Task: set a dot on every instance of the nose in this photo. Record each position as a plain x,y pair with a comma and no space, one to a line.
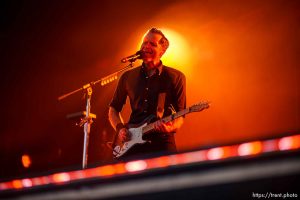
146,44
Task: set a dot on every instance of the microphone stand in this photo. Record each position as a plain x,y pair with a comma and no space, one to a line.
88,116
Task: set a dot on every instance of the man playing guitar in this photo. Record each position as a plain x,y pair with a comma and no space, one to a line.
155,91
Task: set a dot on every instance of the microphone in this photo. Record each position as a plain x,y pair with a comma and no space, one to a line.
132,58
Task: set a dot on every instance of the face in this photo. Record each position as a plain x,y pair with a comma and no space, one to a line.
152,50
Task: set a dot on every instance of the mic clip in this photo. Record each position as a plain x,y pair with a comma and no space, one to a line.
132,58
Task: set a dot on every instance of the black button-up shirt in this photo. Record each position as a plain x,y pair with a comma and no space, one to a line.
143,91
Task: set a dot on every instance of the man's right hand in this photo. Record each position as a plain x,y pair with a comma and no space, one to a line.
124,135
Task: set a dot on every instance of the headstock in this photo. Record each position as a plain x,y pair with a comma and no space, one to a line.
199,106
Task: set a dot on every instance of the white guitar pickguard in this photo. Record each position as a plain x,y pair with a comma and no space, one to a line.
136,137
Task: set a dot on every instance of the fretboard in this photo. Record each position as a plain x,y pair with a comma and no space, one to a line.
169,118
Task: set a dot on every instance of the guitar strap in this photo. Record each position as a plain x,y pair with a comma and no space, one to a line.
160,105
161,96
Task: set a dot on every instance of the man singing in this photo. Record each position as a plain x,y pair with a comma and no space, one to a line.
153,90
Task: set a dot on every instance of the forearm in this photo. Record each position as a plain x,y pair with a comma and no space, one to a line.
114,117
177,123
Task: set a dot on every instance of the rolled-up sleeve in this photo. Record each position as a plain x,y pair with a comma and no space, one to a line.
180,92
119,98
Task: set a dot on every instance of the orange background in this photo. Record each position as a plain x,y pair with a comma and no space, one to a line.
241,56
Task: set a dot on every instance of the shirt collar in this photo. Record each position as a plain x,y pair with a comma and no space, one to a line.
157,69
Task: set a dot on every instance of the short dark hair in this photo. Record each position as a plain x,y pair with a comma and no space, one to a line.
164,42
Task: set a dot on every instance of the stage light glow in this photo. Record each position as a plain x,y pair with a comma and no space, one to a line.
17,184
287,143
134,166
27,182
163,161
106,170
120,168
26,161
250,148
36,181
193,157
178,53
270,145
215,153
3,186
61,177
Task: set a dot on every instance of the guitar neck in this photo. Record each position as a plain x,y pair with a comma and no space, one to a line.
169,118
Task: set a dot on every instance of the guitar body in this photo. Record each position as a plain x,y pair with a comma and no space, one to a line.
137,133
136,137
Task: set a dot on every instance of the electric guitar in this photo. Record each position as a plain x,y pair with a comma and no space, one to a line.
136,134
